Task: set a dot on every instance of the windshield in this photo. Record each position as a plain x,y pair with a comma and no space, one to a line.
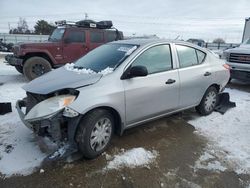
105,56
56,35
247,41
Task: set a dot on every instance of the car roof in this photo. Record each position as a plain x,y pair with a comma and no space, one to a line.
143,42
146,42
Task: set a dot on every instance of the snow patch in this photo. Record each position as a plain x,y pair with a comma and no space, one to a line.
19,153
132,158
70,67
208,162
229,132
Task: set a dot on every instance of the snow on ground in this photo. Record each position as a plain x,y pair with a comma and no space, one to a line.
19,154
229,134
132,158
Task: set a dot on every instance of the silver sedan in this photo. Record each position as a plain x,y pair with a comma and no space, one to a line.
120,85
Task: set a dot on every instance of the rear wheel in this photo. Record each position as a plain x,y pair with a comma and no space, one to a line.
19,68
95,132
35,67
208,102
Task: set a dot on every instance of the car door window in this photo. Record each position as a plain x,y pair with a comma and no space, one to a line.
76,36
156,59
186,55
189,56
201,56
96,37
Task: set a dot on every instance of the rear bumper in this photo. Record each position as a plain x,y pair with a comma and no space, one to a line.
14,61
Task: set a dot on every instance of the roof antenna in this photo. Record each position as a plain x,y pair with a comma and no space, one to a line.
86,16
177,37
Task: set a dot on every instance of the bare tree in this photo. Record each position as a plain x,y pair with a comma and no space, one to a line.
219,40
22,27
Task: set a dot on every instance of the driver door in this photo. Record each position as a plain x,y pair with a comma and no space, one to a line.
154,94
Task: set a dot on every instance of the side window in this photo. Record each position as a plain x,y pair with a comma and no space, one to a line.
111,36
96,37
155,59
201,56
187,56
76,36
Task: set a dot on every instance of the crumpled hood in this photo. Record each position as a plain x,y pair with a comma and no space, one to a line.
60,79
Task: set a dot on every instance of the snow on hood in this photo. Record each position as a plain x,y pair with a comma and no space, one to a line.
70,67
60,79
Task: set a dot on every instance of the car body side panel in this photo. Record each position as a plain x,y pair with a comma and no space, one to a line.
150,96
108,92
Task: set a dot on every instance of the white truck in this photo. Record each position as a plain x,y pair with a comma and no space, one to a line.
239,58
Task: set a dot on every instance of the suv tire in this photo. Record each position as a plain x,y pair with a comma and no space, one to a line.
19,68
95,132
208,102
35,67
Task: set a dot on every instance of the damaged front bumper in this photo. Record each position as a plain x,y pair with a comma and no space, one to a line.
61,130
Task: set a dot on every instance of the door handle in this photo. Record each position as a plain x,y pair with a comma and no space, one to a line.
170,81
207,73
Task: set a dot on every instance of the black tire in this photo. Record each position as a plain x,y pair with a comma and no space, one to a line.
19,68
203,108
87,126
35,67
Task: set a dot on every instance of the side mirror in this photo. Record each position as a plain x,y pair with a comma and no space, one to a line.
66,41
136,71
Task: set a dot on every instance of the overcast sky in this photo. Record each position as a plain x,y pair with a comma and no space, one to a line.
206,19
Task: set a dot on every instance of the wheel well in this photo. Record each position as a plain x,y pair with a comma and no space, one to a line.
38,54
217,87
116,115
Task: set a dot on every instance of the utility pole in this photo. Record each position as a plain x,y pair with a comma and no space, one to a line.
86,16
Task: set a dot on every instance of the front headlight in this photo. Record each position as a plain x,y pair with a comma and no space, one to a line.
49,107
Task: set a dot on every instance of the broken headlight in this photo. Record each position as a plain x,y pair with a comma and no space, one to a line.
49,107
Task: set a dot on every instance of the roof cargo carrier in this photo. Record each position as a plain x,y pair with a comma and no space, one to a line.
87,24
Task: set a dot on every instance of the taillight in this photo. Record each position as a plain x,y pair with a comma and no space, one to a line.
226,66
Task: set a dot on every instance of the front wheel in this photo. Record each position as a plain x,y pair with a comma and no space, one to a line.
208,102
95,132
19,68
35,67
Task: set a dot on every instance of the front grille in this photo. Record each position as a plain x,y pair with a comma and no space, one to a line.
239,58
15,50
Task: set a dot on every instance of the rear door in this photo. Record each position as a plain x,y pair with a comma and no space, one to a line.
195,75
74,45
155,94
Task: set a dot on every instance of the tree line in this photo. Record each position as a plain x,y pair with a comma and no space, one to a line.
41,27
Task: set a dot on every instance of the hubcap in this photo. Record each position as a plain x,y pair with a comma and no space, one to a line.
100,134
38,69
210,101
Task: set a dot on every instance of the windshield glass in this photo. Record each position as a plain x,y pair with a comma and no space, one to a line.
56,35
247,41
105,56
